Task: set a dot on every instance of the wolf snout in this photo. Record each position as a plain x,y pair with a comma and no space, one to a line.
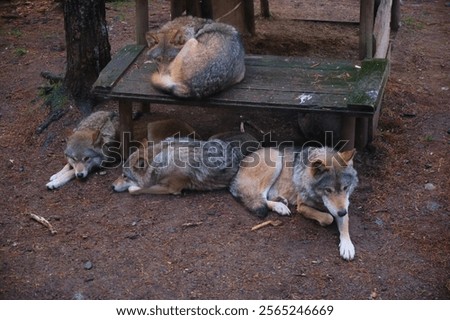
80,175
342,213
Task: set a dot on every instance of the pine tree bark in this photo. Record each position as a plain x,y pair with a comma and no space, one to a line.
87,47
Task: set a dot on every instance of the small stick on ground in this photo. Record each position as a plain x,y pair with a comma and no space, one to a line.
44,222
191,224
266,223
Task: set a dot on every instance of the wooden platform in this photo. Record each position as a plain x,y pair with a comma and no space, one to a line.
352,89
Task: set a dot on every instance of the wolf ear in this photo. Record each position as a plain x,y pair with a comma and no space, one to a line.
177,39
97,138
152,39
347,156
318,166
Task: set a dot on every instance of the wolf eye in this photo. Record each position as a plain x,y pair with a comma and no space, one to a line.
85,159
345,188
328,190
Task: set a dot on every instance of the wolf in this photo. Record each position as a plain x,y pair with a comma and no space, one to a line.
89,147
196,57
319,181
178,164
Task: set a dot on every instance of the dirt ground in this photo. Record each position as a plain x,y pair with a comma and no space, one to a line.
199,245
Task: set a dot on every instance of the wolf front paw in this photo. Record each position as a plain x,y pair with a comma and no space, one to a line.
134,189
347,249
52,184
281,209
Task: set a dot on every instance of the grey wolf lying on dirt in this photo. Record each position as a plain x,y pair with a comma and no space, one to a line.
317,180
181,164
88,147
196,57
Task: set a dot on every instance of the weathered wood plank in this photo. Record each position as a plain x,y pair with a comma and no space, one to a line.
121,61
370,85
263,78
141,11
367,8
382,29
307,85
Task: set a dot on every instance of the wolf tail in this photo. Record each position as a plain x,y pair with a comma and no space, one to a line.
164,81
255,203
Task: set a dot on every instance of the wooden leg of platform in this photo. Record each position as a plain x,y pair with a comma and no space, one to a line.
125,126
144,107
361,133
348,132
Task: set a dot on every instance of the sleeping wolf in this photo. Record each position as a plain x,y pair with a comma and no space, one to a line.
89,147
318,180
196,57
181,164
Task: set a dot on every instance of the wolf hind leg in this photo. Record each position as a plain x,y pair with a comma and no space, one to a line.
257,174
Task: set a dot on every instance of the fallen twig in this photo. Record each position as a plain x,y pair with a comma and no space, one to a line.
53,116
266,223
44,222
191,224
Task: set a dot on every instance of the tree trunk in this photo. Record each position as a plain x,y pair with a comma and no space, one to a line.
87,47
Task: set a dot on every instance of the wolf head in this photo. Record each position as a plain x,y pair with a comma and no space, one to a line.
134,172
84,151
333,179
164,46
165,43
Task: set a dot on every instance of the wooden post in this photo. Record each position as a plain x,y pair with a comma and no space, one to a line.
395,15
381,29
125,126
366,14
361,132
238,13
141,30
176,8
348,132
265,12
249,15
141,21
192,8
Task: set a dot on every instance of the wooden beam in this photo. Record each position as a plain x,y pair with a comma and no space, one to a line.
361,133
366,15
265,11
125,126
348,125
141,21
249,15
395,15
382,29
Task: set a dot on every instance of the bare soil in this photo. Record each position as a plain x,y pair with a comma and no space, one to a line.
199,245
